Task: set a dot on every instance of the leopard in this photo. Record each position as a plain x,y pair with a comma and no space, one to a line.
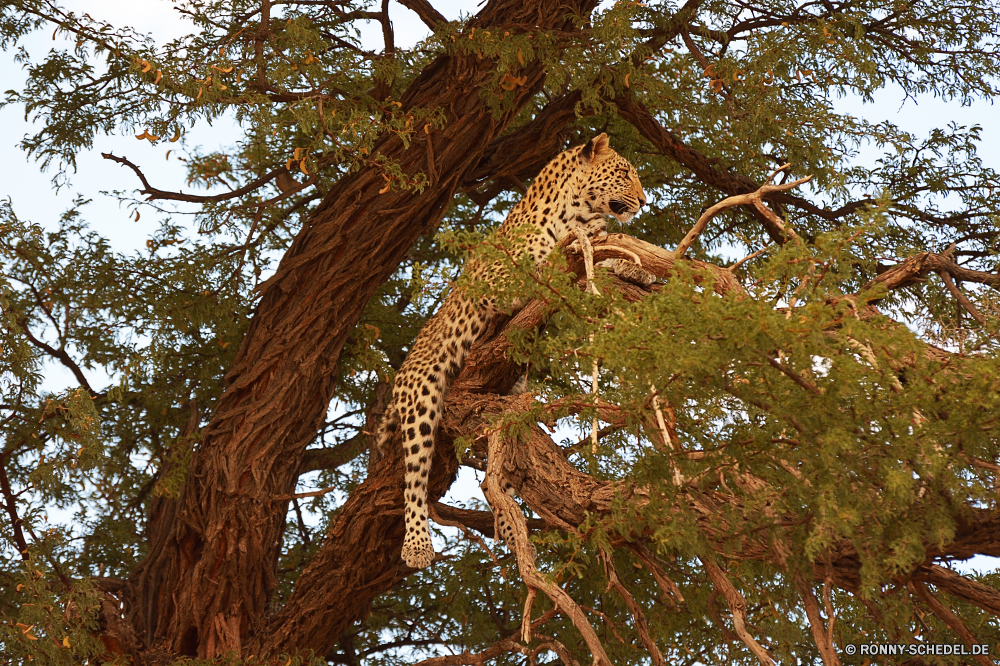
580,187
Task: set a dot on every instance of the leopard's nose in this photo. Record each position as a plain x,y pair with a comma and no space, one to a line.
642,202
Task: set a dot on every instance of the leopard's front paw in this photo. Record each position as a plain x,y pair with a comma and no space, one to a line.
631,272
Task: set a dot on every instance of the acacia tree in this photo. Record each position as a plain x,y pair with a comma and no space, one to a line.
756,461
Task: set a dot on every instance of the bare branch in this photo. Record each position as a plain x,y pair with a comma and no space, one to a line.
755,199
154,193
914,270
960,297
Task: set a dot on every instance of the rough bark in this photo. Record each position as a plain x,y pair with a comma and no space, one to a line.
210,570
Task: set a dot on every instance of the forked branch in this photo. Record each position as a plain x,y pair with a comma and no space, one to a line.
511,525
756,199
737,608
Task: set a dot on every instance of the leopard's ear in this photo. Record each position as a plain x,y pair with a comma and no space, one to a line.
596,149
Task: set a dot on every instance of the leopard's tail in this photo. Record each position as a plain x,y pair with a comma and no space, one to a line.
418,395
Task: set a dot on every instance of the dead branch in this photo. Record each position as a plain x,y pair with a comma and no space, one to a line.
755,199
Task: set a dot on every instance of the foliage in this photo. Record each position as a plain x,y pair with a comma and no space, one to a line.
876,430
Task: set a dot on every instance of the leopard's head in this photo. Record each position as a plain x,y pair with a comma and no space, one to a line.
611,185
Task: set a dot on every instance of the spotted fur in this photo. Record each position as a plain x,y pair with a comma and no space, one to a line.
579,187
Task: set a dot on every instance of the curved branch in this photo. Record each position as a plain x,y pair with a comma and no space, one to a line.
914,269
754,199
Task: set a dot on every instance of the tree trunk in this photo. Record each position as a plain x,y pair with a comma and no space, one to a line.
203,588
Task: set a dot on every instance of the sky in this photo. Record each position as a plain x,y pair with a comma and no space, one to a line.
33,198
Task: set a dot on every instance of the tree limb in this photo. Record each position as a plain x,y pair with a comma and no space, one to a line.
430,16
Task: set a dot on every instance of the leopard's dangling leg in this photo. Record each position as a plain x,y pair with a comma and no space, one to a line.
437,356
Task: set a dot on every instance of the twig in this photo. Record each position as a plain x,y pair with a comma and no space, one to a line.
754,198
732,268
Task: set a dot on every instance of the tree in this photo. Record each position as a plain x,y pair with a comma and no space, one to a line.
781,457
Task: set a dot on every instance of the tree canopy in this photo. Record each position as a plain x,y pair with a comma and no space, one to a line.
777,451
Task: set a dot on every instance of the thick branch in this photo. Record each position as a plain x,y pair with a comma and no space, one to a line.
512,526
950,619
822,631
961,587
737,608
430,16
915,269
